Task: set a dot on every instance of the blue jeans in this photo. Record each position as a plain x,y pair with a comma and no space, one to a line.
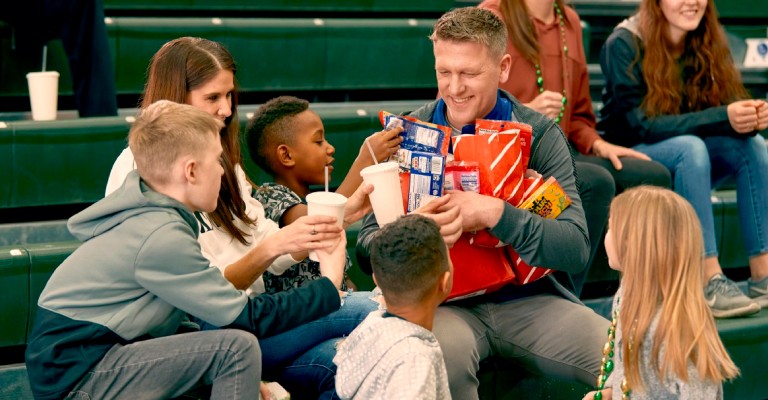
313,374
699,165
302,358
226,359
281,349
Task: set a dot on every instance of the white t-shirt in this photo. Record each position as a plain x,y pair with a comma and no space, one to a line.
218,246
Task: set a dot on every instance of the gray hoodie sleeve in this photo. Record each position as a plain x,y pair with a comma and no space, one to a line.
171,266
561,244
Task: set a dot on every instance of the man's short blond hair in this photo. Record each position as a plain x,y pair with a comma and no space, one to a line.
165,131
472,24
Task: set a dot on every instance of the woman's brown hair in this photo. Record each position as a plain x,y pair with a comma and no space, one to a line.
520,29
710,77
185,64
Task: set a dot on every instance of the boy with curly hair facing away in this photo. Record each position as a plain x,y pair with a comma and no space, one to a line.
393,354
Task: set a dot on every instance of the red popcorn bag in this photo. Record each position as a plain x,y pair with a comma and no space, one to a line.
477,270
489,127
532,181
547,201
498,148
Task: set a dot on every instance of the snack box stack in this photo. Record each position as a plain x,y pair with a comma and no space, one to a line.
422,158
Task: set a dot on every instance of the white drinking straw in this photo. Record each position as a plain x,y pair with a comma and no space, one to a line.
373,155
326,178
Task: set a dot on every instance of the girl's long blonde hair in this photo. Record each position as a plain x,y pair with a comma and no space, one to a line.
659,247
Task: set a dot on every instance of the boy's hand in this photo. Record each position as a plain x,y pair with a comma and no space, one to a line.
333,259
447,216
384,144
358,204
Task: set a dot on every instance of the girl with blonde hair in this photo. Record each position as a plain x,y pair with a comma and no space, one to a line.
663,343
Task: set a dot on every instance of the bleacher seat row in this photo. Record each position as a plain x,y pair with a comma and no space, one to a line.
296,54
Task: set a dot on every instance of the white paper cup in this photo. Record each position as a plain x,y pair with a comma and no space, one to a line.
43,94
326,203
386,199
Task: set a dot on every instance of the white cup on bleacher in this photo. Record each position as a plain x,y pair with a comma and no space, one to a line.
43,94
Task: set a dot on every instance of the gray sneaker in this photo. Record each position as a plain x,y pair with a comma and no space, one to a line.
726,300
758,291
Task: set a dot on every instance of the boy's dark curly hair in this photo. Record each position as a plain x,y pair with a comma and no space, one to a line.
271,126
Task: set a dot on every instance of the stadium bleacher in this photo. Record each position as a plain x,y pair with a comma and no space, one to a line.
343,50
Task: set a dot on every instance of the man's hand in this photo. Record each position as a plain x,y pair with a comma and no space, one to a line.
478,211
447,217
612,152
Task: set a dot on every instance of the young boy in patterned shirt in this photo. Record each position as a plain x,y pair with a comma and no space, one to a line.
287,140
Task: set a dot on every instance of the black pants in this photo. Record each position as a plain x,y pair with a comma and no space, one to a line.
598,183
80,26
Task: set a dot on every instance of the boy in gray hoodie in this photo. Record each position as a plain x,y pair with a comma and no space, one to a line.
393,354
107,320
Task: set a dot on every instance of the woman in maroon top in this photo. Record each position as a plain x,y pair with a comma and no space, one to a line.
549,74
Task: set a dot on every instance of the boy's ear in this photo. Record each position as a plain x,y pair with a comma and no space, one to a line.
190,170
374,279
284,156
445,283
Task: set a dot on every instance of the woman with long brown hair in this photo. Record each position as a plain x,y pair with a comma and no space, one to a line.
549,67
673,92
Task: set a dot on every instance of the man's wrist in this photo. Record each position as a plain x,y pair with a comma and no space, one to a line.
493,212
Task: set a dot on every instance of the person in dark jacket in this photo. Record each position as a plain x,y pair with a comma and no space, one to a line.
525,324
80,26
107,321
673,92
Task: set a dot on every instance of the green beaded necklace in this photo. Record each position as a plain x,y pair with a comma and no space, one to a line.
607,363
540,79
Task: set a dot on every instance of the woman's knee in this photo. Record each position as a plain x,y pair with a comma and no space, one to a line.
758,151
643,172
693,154
595,182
